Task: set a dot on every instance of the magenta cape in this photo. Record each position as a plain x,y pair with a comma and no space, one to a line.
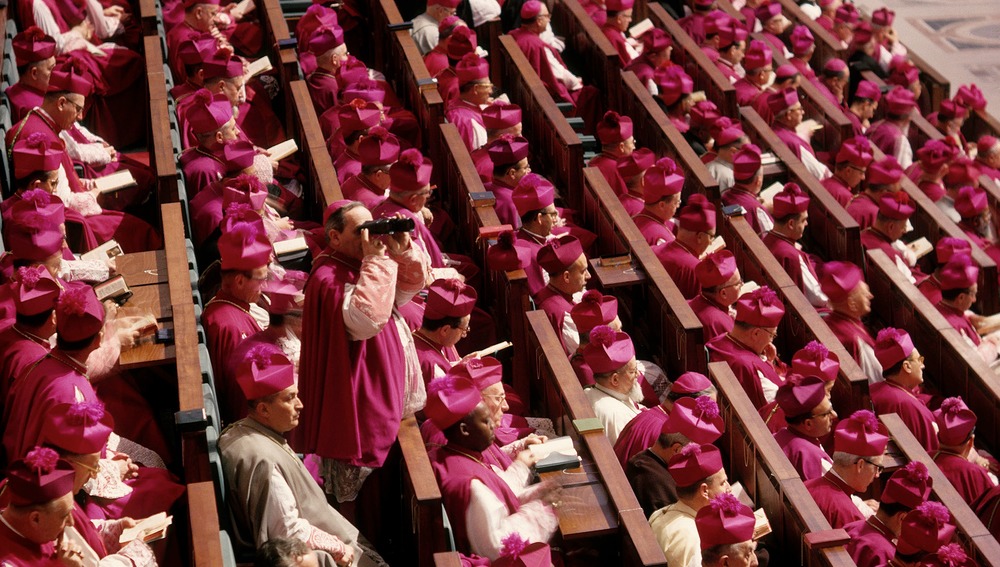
889,398
201,168
609,169
323,89
359,188
970,480
455,473
556,306
534,51
617,40
849,331
653,229
839,190
16,354
805,454
715,320
790,257
463,114
22,99
534,272
863,209
431,357
870,546
355,387
680,264
745,364
17,551
747,200
833,497
639,434
227,324
504,194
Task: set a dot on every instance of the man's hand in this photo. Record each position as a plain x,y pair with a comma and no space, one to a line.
371,247
129,470
348,557
115,12
427,215
551,493
398,242
69,554
770,352
527,457
535,439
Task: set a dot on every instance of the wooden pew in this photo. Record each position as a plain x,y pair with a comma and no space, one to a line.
936,86
687,53
755,459
975,538
277,41
830,227
827,46
147,17
552,138
564,400
161,152
448,559
191,420
658,312
588,49
324,187
801,322
655,131
421,501
951,365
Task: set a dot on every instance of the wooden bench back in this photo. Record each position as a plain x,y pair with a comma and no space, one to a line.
421,498
589,49
323,187
161,151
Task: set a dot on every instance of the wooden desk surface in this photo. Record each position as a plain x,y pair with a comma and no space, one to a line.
143,268
153,299
148,354
585,510
616,276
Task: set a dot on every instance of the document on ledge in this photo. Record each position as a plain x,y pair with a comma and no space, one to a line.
115,181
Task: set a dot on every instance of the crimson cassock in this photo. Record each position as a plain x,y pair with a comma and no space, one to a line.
969,479
746,365
715,319
871,542
789,256
608,165
805,453
888,397
640,433
435,360
533,272
17,551
833,496
838,189
18,351
850,331
356,387
556,306
680,262
653,229
201,168
534,50
227,323
863,209
22,99
504,195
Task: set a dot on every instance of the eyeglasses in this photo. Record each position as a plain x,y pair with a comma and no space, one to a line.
79,107
88,468
774,333
498,398
878,468
465,329
553,214
824,414
919,359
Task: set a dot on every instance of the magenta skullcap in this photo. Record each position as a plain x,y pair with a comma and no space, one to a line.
926,529
716,268
971,97
655,41
781,101
724,521
697,215
959,273
482,372
472,68
690,383
862,33
857,151
618,5
449,298
194,51
767,11
962,171
900,101
949,110
839,280
530,9
608,350
463,42
802,40
885,171
80,428
37,209
816,360
508,149
244,247
244,188
67,78
758,54
501,115
868,90
672,83
636,163
39,478
207,112
694,463
37,153
285,294
378,147
987,145
558,254
508,254
33,45
731,31
35,291
746,162
594,309
786,72
902,72
847,14
264,371
411,172
948,246
704,113
909,485
661,181
79,314
791,200
835,66
892,346
238,155
729,134
971,202
883,17
365,89
955,422
800,395
698,419
334,207
222,64
325,39
861,435
614,128
533,193
358,114
760,308
936,153
896,206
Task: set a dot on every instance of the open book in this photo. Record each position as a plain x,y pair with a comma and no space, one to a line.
555,454
115,181
718,244
114,289
284,149
640,28
988,324
762,526
921,247
149,529
767,195
105,251
807,127
262,65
